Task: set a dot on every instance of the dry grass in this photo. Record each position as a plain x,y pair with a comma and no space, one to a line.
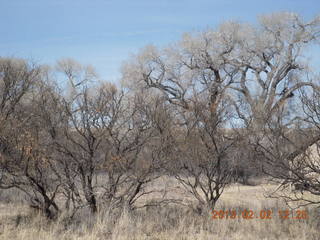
162,223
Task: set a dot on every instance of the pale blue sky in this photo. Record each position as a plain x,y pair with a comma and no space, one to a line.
105,32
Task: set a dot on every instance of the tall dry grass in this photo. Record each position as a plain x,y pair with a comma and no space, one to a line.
162,223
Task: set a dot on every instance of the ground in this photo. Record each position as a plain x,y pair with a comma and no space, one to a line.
169,222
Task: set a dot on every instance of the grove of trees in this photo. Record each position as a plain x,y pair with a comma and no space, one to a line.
214,108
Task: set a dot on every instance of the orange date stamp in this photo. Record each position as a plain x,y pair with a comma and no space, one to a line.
264,214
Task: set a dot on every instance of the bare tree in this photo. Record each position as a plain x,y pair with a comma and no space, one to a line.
100,134
256,69
206,163
263,64
135,159
25,162
81,114
198,92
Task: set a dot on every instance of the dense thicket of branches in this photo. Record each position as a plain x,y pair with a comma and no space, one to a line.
216,107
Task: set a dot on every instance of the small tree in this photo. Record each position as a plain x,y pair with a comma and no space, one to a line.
25,160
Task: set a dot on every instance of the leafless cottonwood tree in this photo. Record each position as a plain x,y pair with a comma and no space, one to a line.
263,64
278,126
282,132
258,69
